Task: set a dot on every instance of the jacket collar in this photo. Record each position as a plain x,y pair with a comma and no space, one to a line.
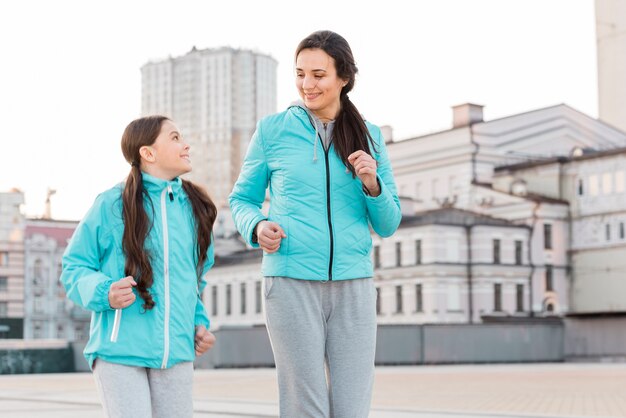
155,185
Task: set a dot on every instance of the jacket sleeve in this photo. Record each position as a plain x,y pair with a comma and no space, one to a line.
384,210
81,277
248,193
201,316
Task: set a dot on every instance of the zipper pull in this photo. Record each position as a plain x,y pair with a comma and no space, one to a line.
169,190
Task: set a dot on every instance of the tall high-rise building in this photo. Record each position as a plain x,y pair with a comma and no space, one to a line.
215,97
611,47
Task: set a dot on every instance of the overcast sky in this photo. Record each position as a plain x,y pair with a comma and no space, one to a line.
70,75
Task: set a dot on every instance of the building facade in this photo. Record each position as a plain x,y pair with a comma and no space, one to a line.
492,225
47,311
11,264
611,50
215,96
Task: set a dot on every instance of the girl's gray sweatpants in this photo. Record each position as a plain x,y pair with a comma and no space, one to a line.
139,392
323,336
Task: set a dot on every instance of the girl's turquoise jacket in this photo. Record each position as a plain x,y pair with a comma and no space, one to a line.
323,210
93,260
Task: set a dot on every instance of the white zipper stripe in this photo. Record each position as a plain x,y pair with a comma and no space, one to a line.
116,325
166,277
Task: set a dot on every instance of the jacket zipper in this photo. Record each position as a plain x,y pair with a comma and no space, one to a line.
330,225
166,277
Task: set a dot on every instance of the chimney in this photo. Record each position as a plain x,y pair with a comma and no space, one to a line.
387,132
466,114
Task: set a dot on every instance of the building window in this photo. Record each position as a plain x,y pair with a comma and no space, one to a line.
607,231
60,331
243,298
4,309
518,253
607,183
376,256
519,297
549,280
228,299
547,236
497,297
418,251
398,299
378,301
4,283
496,251
214,300
38,270
581,188
621,230
619,182
258,304
4,258
594,186
419,302
398,254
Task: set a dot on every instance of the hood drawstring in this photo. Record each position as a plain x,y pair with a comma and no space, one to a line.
315,143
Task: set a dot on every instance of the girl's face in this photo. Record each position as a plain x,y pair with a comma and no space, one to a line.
169,154
318,83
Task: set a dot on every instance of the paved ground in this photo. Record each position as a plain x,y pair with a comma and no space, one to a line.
468,391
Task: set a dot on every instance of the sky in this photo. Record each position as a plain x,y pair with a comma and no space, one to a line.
70,76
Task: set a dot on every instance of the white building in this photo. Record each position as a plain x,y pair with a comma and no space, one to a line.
482,234
215,96
11,264
594,184
611,49
47,311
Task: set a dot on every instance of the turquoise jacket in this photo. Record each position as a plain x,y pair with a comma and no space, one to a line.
323,210
93,260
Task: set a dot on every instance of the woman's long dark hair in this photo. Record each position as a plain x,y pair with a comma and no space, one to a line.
143,132
350,133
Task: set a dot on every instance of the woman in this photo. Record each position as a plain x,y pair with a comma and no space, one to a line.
329,178
149,237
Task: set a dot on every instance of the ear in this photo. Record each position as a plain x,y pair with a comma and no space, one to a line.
147,153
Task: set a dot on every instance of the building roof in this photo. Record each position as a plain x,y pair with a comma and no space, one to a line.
60,231
453,216
587,155
535,197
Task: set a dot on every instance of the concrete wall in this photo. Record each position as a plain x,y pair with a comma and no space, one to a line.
573,339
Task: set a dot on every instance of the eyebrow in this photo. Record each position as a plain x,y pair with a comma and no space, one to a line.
317,69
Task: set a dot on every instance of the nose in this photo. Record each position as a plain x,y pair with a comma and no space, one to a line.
309,83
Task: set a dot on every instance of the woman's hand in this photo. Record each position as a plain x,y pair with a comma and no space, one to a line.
203,340
269,235
365,168
121,293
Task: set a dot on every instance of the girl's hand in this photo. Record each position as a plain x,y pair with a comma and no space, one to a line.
204,340
365,168
121,293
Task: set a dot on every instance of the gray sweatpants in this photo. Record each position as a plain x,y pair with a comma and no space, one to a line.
323,336
139,392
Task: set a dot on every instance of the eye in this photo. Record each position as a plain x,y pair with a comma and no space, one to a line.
299,75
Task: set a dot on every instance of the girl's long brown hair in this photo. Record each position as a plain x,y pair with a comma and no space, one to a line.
350,133
142,132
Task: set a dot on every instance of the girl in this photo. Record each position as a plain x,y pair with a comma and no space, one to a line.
330,179
137,260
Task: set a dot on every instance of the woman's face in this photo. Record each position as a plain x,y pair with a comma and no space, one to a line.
318,83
